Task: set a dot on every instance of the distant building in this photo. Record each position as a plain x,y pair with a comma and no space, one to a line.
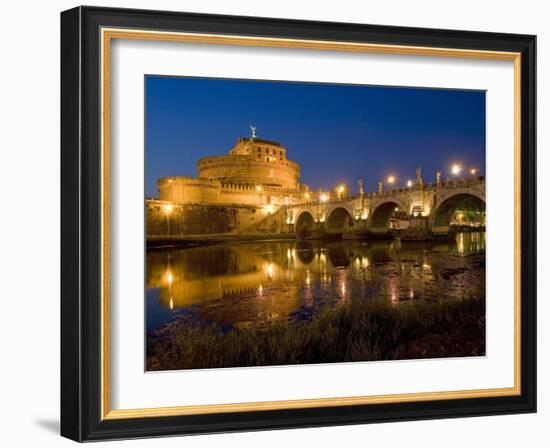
256,172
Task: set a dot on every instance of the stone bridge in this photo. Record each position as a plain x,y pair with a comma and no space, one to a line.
428,208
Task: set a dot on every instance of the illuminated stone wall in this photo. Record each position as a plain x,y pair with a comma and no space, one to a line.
197,219
249,169
185,190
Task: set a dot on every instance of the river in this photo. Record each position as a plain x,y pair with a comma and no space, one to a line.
259,284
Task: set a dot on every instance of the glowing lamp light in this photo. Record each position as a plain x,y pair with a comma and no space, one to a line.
168,208
169,277
323,197
456,169
409,183
269,209
473,171
307,196
391,179
341,189
258,188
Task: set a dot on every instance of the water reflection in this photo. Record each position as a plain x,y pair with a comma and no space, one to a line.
258,284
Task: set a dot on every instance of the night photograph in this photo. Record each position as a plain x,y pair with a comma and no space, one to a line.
305,223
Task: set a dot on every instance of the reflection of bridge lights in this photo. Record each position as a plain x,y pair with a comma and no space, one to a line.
460,243
411,294
269,270
171,303
364,262
169,277
394,297
343,289
260,290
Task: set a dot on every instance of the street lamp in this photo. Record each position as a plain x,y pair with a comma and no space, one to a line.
456,169
473,171
391,179
341,189
168,209
323,197
409,183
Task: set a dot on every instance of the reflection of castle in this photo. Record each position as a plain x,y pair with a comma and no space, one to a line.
255,172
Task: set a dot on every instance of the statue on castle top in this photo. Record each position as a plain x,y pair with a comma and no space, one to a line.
253,129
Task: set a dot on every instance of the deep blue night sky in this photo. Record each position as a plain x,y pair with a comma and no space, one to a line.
337,133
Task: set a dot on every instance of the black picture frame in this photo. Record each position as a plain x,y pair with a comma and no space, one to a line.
81,224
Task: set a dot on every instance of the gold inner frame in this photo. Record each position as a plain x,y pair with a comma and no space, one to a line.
107,35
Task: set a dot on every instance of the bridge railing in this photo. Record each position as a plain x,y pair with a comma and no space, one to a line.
460,182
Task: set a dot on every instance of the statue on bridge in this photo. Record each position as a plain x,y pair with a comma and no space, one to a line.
419,180
360,185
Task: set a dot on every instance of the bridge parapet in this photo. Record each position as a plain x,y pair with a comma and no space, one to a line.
431,203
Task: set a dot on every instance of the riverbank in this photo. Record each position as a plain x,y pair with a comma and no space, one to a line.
163,241
354,331
175,241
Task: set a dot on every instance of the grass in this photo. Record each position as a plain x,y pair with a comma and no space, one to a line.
355,331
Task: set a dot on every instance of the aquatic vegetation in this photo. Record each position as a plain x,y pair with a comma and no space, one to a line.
354,331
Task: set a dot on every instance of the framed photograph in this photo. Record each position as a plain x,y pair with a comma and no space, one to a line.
276,224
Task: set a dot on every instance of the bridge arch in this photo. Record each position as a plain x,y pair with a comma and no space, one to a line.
305,223
379,219
305,252
338,219
446,208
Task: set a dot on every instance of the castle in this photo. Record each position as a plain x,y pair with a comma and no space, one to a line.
256,172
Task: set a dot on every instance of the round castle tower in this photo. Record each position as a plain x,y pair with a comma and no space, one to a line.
255,172
252,161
